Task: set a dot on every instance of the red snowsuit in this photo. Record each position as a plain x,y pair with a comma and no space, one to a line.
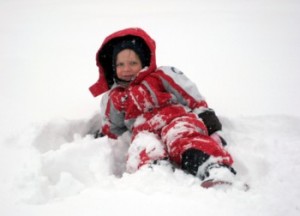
160,108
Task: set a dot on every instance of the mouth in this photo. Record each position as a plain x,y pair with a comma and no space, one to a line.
128,78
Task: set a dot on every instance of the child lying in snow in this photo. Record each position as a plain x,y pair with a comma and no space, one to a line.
157,102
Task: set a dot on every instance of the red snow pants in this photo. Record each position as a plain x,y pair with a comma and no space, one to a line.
170,141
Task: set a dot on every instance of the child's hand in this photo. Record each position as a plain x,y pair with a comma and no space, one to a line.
211,121
98,134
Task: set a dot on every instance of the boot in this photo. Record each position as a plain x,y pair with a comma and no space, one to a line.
218,172
192,159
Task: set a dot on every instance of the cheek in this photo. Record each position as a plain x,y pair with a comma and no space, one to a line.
138,68
136,71
119,72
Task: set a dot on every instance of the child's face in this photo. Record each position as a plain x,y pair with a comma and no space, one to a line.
128,65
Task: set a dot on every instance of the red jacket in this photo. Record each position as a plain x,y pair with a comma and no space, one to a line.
154,98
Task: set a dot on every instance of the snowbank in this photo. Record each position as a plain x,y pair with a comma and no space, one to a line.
59,168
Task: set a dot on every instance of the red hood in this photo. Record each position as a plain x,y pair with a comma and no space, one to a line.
104,58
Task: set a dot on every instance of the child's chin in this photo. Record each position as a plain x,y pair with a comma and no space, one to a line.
128,79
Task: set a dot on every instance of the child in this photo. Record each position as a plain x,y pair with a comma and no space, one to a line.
159,104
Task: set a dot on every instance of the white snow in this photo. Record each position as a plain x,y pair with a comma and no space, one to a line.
245,57
82,175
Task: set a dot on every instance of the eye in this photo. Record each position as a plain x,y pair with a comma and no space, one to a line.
132,63
120,64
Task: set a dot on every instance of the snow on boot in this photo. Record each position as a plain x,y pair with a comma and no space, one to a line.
221,176
217,175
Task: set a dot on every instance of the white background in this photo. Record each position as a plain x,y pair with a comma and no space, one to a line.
244,55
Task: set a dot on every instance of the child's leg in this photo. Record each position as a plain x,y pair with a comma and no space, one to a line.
187,133
145,148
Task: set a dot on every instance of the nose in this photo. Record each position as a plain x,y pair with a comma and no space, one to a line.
127,69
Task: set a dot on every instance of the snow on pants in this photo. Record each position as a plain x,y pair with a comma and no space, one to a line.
171,140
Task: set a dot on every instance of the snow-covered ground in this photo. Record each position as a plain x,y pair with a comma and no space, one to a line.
244,56
56,168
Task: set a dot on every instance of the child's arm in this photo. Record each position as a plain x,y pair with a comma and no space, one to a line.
188,95
112,120
185,91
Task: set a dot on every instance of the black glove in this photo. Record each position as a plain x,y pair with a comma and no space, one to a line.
211,121
98,134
